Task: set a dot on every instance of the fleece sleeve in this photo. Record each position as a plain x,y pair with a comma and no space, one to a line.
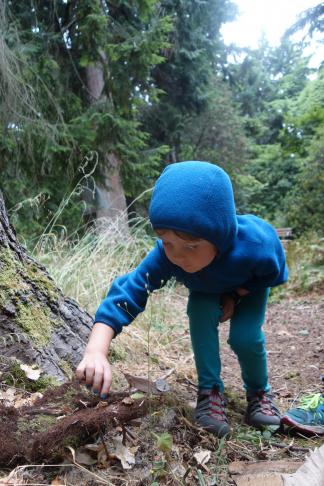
271,269
128,294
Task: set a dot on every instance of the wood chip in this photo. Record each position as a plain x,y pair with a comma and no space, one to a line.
241,467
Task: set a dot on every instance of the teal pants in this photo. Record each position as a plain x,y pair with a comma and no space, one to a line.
246,338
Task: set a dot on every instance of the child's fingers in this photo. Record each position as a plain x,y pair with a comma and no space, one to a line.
79,372
97,379
89,374
224,318
228,310
106,383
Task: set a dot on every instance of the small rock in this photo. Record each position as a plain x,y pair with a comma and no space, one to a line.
167,418
162,385
303,332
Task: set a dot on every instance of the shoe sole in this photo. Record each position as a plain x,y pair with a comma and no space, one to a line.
308,429
218,431
260,425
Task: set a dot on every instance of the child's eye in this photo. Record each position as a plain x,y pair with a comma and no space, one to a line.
191,247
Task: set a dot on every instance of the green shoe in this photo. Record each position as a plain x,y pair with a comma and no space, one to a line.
261,410
308,417
210,412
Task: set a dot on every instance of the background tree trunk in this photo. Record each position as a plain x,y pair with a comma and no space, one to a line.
111,200
38,325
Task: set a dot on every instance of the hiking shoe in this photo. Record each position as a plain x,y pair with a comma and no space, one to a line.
308,417
210,412
261,410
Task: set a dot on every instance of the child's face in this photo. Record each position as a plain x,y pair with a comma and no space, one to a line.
189,254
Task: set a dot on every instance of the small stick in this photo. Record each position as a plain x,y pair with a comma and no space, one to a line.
167,374
290,447
172,370
124,435
191,382
104,444
242,454
190,425
44,411
130,434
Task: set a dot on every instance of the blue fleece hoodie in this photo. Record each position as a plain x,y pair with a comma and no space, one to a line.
197,198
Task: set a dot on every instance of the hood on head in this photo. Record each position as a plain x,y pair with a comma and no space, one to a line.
197,198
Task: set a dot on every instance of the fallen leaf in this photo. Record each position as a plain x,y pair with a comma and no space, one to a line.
202,457
8,396
57,481
30,372
123,453
145,385
94,447
83,457
178,470
102,404
137,396
128,401
13,479
141,384
28,401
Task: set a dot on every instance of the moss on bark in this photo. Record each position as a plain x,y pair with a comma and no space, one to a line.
17,289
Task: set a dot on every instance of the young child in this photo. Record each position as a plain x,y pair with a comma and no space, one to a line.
227,262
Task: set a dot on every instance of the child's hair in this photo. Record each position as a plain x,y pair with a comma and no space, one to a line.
180,234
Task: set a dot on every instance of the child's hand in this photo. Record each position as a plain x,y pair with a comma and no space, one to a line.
242,291
94,371
228,306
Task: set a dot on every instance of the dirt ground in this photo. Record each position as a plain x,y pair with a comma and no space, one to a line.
295,344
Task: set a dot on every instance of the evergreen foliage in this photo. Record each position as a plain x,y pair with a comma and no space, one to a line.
305,205
187,78
150,82
282,112
55,120
312,18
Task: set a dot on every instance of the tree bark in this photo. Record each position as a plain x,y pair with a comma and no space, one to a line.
38,325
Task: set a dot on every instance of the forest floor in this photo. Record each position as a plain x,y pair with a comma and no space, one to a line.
166,447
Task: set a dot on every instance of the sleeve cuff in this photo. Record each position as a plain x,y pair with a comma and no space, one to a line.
117,329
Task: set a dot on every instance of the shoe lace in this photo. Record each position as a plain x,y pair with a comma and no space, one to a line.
319,415
263,402
217,405
311,402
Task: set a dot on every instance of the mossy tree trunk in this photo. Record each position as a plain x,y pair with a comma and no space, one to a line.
38,325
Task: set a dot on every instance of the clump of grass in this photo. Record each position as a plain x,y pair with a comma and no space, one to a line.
84,268
305,258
